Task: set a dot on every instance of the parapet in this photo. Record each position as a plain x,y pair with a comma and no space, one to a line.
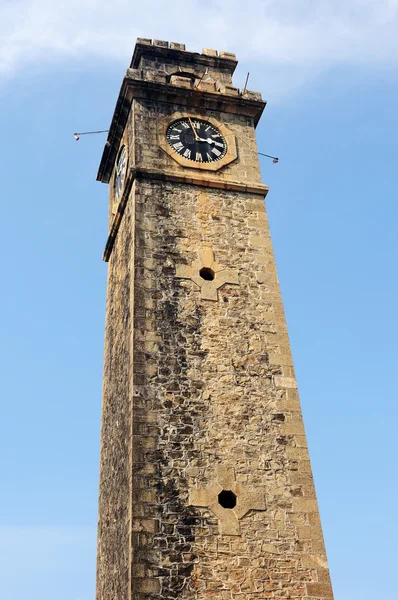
164,54
160,49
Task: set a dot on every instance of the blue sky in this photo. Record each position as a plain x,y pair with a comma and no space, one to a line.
328,71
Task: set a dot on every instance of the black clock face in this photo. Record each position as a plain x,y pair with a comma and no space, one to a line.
196,140
120,171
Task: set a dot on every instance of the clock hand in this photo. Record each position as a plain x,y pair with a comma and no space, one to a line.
193,129
209,141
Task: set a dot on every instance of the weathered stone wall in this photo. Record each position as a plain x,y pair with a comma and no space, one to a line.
213,385
113,558
216,387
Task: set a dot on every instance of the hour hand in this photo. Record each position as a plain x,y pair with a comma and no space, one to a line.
209,141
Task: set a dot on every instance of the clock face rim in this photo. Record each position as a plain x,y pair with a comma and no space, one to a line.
230,156
120,174
207,150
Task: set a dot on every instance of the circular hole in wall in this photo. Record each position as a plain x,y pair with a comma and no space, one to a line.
207,273
227,499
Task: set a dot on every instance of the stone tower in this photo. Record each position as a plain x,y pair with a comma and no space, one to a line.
206,489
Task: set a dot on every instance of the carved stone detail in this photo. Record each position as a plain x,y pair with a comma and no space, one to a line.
246,500
222,276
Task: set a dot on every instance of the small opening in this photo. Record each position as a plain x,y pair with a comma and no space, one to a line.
207,274
227,499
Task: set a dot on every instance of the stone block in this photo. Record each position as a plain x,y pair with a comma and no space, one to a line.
209,52
231,90
312,561
318,546
304,505
251,95
293,428
177,46
207,86
181,81
226,477
310,533
301,441
324,576
285,382
297,453
146,585
209,291
161,43
229,55
206,256
200,497
319,590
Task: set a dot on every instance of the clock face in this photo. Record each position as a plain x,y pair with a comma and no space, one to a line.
196,140
120,172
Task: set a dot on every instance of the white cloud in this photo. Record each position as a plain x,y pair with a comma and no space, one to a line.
299,37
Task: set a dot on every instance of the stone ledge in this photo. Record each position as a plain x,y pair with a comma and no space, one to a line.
201,180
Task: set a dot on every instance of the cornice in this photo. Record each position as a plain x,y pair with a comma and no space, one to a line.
202,180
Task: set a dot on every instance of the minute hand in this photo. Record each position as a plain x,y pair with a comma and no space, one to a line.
209,141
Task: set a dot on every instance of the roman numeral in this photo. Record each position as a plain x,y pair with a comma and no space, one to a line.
185,125
187,153
196,125
178,146
199,157
215,135
207,128
216,152
174,137
209,158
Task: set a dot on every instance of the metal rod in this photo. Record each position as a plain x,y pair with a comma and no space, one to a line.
78,133
247,79
200,80
274,158
90,132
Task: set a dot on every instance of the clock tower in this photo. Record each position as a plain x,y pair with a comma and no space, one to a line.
206,490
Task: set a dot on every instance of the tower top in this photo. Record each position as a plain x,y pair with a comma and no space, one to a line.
167,73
